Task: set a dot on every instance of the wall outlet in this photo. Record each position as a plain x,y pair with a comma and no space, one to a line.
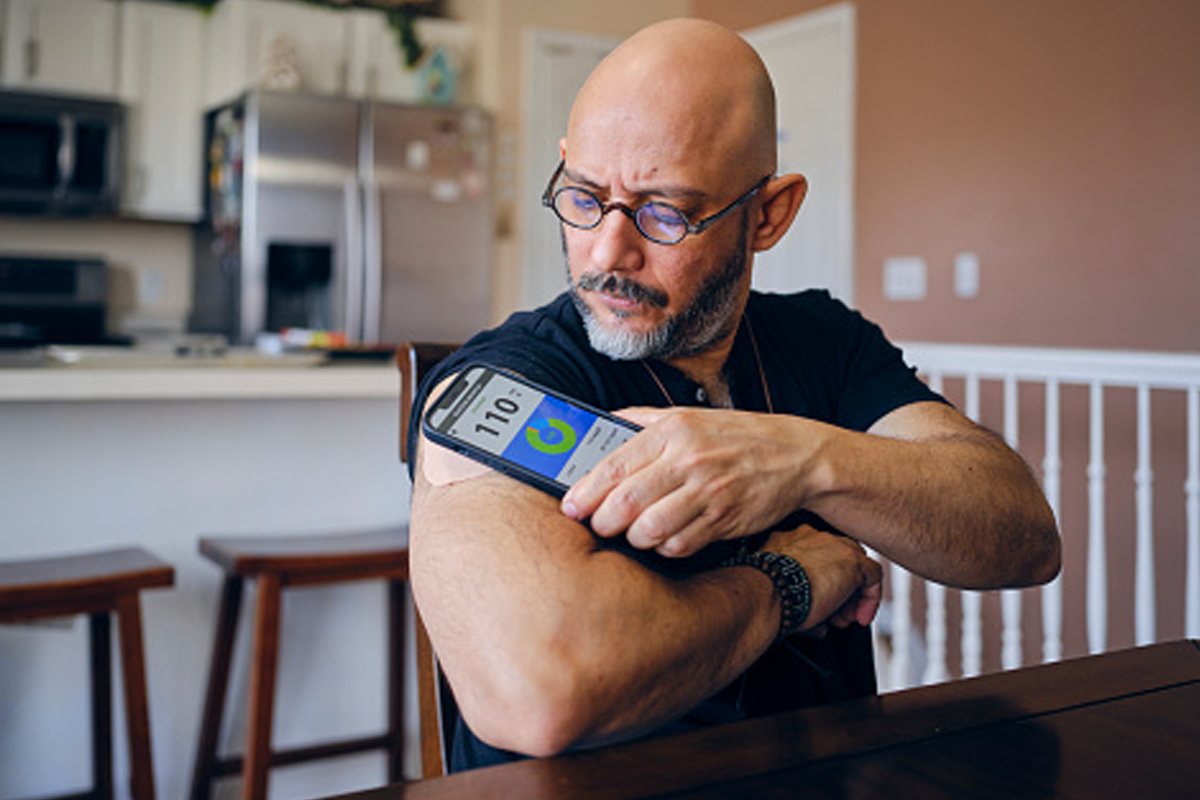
152,286
966,275
904,278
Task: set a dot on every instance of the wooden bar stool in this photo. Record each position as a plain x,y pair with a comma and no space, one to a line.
97,584
277,563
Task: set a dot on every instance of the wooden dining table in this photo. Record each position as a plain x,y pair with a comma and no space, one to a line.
1125,724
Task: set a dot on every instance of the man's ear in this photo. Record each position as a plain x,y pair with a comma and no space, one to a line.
562,149
782,197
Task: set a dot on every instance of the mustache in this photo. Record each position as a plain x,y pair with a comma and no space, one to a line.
621,286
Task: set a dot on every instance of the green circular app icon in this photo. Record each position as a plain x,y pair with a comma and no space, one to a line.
550,436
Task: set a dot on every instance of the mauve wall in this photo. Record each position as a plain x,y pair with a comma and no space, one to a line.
1059,140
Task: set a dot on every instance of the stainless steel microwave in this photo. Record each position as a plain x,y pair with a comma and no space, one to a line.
59,155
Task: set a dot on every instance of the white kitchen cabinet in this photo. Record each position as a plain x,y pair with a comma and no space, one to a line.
66,46
376,67
376,63
162,89
276,44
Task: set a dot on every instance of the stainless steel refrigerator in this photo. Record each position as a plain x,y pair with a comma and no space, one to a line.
374,220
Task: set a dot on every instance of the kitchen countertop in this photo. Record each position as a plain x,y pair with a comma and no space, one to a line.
106,375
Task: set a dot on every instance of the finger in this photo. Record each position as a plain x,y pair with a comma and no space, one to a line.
857,611
623,507
672,522
583,499
663,518
868,604
694,526
844,616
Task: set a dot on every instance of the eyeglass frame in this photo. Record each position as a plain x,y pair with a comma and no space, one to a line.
689,228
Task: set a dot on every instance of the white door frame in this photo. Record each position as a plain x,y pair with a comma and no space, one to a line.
548,104
819,250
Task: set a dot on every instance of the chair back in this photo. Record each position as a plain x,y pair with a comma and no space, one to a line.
437,708
415,359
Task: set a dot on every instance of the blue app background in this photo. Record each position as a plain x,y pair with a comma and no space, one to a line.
522,452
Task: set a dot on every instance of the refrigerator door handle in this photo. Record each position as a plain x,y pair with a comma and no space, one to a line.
372,296
352,300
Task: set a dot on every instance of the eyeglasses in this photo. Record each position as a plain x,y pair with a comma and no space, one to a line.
659,222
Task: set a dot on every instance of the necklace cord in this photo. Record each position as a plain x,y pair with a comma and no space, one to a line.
762,375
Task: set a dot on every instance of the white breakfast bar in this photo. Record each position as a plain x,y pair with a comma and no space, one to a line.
157,454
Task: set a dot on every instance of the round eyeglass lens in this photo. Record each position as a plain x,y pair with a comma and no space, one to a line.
577,207
661,222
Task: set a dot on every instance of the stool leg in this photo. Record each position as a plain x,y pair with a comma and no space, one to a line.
100,646
395,666
218,681
262,688
137,712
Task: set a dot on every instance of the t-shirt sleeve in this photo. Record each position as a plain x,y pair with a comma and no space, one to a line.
876,380
534,347
849,372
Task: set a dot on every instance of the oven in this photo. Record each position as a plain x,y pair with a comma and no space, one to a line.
52,300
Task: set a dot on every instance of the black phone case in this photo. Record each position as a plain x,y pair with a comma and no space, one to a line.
499,463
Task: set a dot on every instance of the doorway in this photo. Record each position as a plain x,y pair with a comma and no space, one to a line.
811,60
558,64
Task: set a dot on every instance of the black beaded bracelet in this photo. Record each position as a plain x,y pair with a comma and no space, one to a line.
791,584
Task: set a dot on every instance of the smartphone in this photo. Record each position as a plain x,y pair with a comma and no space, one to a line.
521,429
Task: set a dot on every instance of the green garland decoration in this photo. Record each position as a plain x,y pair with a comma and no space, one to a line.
401,18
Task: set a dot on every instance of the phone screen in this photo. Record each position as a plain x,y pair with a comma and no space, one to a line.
518,423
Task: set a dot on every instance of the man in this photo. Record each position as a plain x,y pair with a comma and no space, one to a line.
711,568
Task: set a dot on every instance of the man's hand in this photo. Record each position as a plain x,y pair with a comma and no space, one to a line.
923,486
847,585
693,476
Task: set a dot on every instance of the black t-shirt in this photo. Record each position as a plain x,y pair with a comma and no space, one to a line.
819,359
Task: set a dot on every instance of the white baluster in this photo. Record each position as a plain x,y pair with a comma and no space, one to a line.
972,635
936,669
1010,642
972,610
900,671
1012,412
935,633
1097,576
1052,484
1010,602
971,396
1144,628
1191,488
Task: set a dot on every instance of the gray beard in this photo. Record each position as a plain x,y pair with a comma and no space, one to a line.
705,322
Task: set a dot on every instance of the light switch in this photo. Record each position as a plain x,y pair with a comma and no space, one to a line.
904,278
966,275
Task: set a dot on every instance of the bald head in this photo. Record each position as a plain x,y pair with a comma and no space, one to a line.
684,91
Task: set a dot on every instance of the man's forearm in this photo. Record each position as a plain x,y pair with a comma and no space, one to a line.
959,508
551,643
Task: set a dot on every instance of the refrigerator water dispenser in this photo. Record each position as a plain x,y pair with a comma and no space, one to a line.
299,291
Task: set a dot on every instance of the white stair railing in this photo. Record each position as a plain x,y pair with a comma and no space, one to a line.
921,653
